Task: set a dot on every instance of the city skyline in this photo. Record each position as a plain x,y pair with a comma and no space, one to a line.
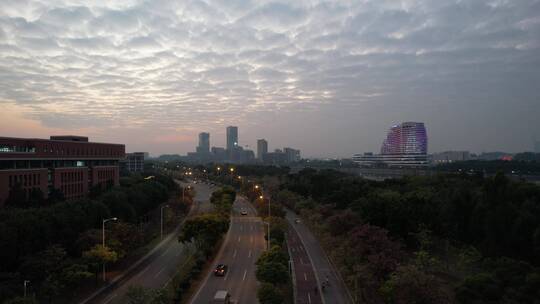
329,77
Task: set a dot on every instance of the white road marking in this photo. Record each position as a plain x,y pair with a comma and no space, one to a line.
110,299
308,298
245,273
251,226
157,274
164,253
301,262
238,239
305,276
249,254
234,254
226,276
144,270
251,239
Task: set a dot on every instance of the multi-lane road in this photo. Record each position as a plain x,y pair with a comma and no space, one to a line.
308,247
242,246
160,266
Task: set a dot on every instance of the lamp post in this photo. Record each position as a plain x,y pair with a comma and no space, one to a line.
26,282
163,207
268,236
103,238
262,198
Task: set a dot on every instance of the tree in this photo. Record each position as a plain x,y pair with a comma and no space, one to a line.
272,272
141,295
99,255
410,285
204,230
372,245
269,294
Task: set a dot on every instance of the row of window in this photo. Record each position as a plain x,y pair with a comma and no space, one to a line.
106,174
87,151
69,177
26,180
62,163
61,150
72,190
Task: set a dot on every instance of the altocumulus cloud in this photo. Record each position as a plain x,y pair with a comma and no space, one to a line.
156,63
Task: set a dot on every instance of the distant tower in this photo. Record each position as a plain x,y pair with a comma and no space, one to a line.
204,143
262,148
232,141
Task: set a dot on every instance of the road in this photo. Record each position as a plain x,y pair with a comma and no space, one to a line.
161,266
336,293
307,290
242,246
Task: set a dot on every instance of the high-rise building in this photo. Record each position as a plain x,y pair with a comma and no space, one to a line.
232,138
406,145
262,148
134,162
406,138
68,164
292,155
204,143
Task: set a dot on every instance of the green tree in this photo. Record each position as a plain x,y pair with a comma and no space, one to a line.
99,255
204,230
141,295
272,272
269,294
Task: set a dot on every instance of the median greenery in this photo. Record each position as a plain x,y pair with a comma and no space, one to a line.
203,233
57,247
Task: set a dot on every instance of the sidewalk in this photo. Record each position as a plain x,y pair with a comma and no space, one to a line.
336,293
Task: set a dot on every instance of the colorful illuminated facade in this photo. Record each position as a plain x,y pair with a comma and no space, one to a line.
405,146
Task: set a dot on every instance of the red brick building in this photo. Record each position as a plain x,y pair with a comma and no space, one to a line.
69,164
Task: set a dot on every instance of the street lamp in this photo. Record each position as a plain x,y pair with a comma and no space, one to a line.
103,238
26,282
268,236
183,193
163,207
262,198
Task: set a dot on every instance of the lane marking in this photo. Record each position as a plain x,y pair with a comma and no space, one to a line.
251,239
249,254
157,274
226,276
234,254
301,262
308,298
305,276
245,273
144,270
164,253
110,299
238,239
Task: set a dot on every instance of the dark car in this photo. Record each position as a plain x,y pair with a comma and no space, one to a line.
221,270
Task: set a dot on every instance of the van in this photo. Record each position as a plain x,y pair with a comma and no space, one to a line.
222,297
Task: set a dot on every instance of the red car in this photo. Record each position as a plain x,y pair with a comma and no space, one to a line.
221,270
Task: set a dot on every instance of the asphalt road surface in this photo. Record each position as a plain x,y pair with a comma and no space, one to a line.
336,292
160,267
307,289
242,246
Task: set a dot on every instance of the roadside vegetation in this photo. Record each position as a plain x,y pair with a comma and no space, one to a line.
57,245
441,239
203,233
273,265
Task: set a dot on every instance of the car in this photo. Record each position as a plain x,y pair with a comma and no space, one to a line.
221,270
243,212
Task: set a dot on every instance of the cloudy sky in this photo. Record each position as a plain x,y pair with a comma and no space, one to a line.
328,77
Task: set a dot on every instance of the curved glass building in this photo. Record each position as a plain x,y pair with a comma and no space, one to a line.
405,146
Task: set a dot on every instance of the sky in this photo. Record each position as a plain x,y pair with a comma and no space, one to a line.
327,77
